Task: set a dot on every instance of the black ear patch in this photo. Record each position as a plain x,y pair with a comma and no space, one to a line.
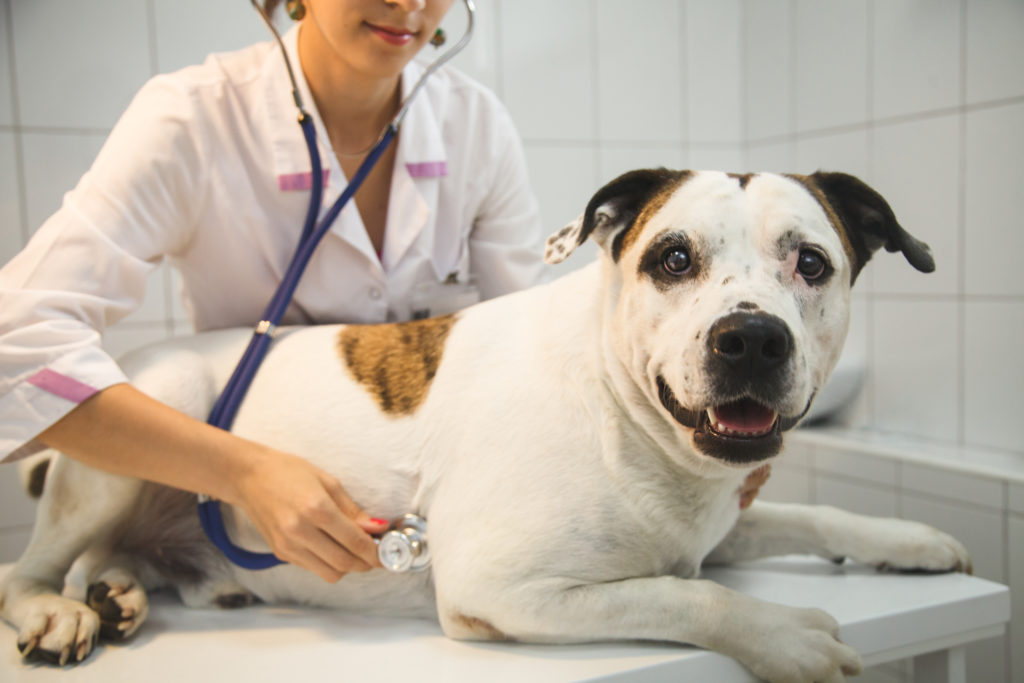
612,212
867,221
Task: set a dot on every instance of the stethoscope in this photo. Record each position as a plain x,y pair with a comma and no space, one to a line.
404,546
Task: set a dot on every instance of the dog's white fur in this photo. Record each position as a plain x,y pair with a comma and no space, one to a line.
565,503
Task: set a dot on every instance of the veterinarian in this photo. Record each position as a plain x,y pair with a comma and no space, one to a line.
208,169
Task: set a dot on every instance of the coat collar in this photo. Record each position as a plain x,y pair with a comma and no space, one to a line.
421,159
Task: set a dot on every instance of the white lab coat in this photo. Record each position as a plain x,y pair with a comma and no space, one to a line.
208,168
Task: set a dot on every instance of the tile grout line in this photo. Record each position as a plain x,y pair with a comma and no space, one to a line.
16,128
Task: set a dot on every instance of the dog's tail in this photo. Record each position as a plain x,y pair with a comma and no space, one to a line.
32,472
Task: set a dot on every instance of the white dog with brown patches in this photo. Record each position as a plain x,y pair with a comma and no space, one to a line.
554,438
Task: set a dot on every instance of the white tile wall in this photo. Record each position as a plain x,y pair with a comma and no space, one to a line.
845,151
714,71
767,69
994,374
927,149
185,31
953,486
1016,498
1016,567
479,59
911,341
6,91
831,63
854,496
11,237
715,157
772,157
640,90
995,146
79,64
916,56
548,68
564,178
617,158
789,484
995,50
865,468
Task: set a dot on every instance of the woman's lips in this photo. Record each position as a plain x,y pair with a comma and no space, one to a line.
392,36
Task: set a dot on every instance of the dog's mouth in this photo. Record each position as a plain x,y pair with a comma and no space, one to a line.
743,430
744,418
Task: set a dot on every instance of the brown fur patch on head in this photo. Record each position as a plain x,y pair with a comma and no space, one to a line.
630,235
396,362
479,629
833,217
742,178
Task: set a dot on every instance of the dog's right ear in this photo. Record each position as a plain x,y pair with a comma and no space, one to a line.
611,212
868,222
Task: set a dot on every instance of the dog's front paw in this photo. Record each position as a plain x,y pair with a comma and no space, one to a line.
120,602
797,645
56,630
907,546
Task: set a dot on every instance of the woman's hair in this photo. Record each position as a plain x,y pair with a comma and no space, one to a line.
270,5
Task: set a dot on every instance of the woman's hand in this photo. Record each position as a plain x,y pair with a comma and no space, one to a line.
304,514
306,517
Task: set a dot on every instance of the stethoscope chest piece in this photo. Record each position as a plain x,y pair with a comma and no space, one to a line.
404,548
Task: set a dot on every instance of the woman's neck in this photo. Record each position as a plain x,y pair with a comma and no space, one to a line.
354,107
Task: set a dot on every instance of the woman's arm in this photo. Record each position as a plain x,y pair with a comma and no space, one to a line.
303,513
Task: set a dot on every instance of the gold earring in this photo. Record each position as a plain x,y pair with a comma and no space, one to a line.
296,10
437,40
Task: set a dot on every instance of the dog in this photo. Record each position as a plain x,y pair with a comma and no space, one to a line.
578,448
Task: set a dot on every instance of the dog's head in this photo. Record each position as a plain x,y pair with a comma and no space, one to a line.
729,294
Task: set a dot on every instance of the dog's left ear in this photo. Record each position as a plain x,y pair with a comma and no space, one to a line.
611,212
869,222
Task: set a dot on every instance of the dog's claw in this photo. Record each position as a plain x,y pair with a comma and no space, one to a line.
120,603
26,648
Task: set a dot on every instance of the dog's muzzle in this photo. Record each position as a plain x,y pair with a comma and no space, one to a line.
748,354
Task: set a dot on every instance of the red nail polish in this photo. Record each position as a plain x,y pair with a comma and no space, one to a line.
377,520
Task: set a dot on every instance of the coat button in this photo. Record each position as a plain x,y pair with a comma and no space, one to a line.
375,293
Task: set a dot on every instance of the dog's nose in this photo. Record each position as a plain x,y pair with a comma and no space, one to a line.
752,344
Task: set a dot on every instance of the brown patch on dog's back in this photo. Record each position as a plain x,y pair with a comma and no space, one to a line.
478,628
396,362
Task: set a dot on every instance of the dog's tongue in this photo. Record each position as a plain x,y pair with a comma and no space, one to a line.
742,418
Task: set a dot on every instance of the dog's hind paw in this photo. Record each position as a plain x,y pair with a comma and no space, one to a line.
120,602
56,630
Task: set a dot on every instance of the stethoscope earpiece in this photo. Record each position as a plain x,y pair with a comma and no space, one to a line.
404,548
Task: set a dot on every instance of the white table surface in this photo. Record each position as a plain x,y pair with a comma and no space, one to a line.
884,616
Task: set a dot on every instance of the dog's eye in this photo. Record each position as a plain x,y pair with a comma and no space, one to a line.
811,264
676,260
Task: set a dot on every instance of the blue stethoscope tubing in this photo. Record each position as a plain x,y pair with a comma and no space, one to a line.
228,403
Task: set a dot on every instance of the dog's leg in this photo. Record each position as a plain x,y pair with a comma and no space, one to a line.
80,508
767,529
776,642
